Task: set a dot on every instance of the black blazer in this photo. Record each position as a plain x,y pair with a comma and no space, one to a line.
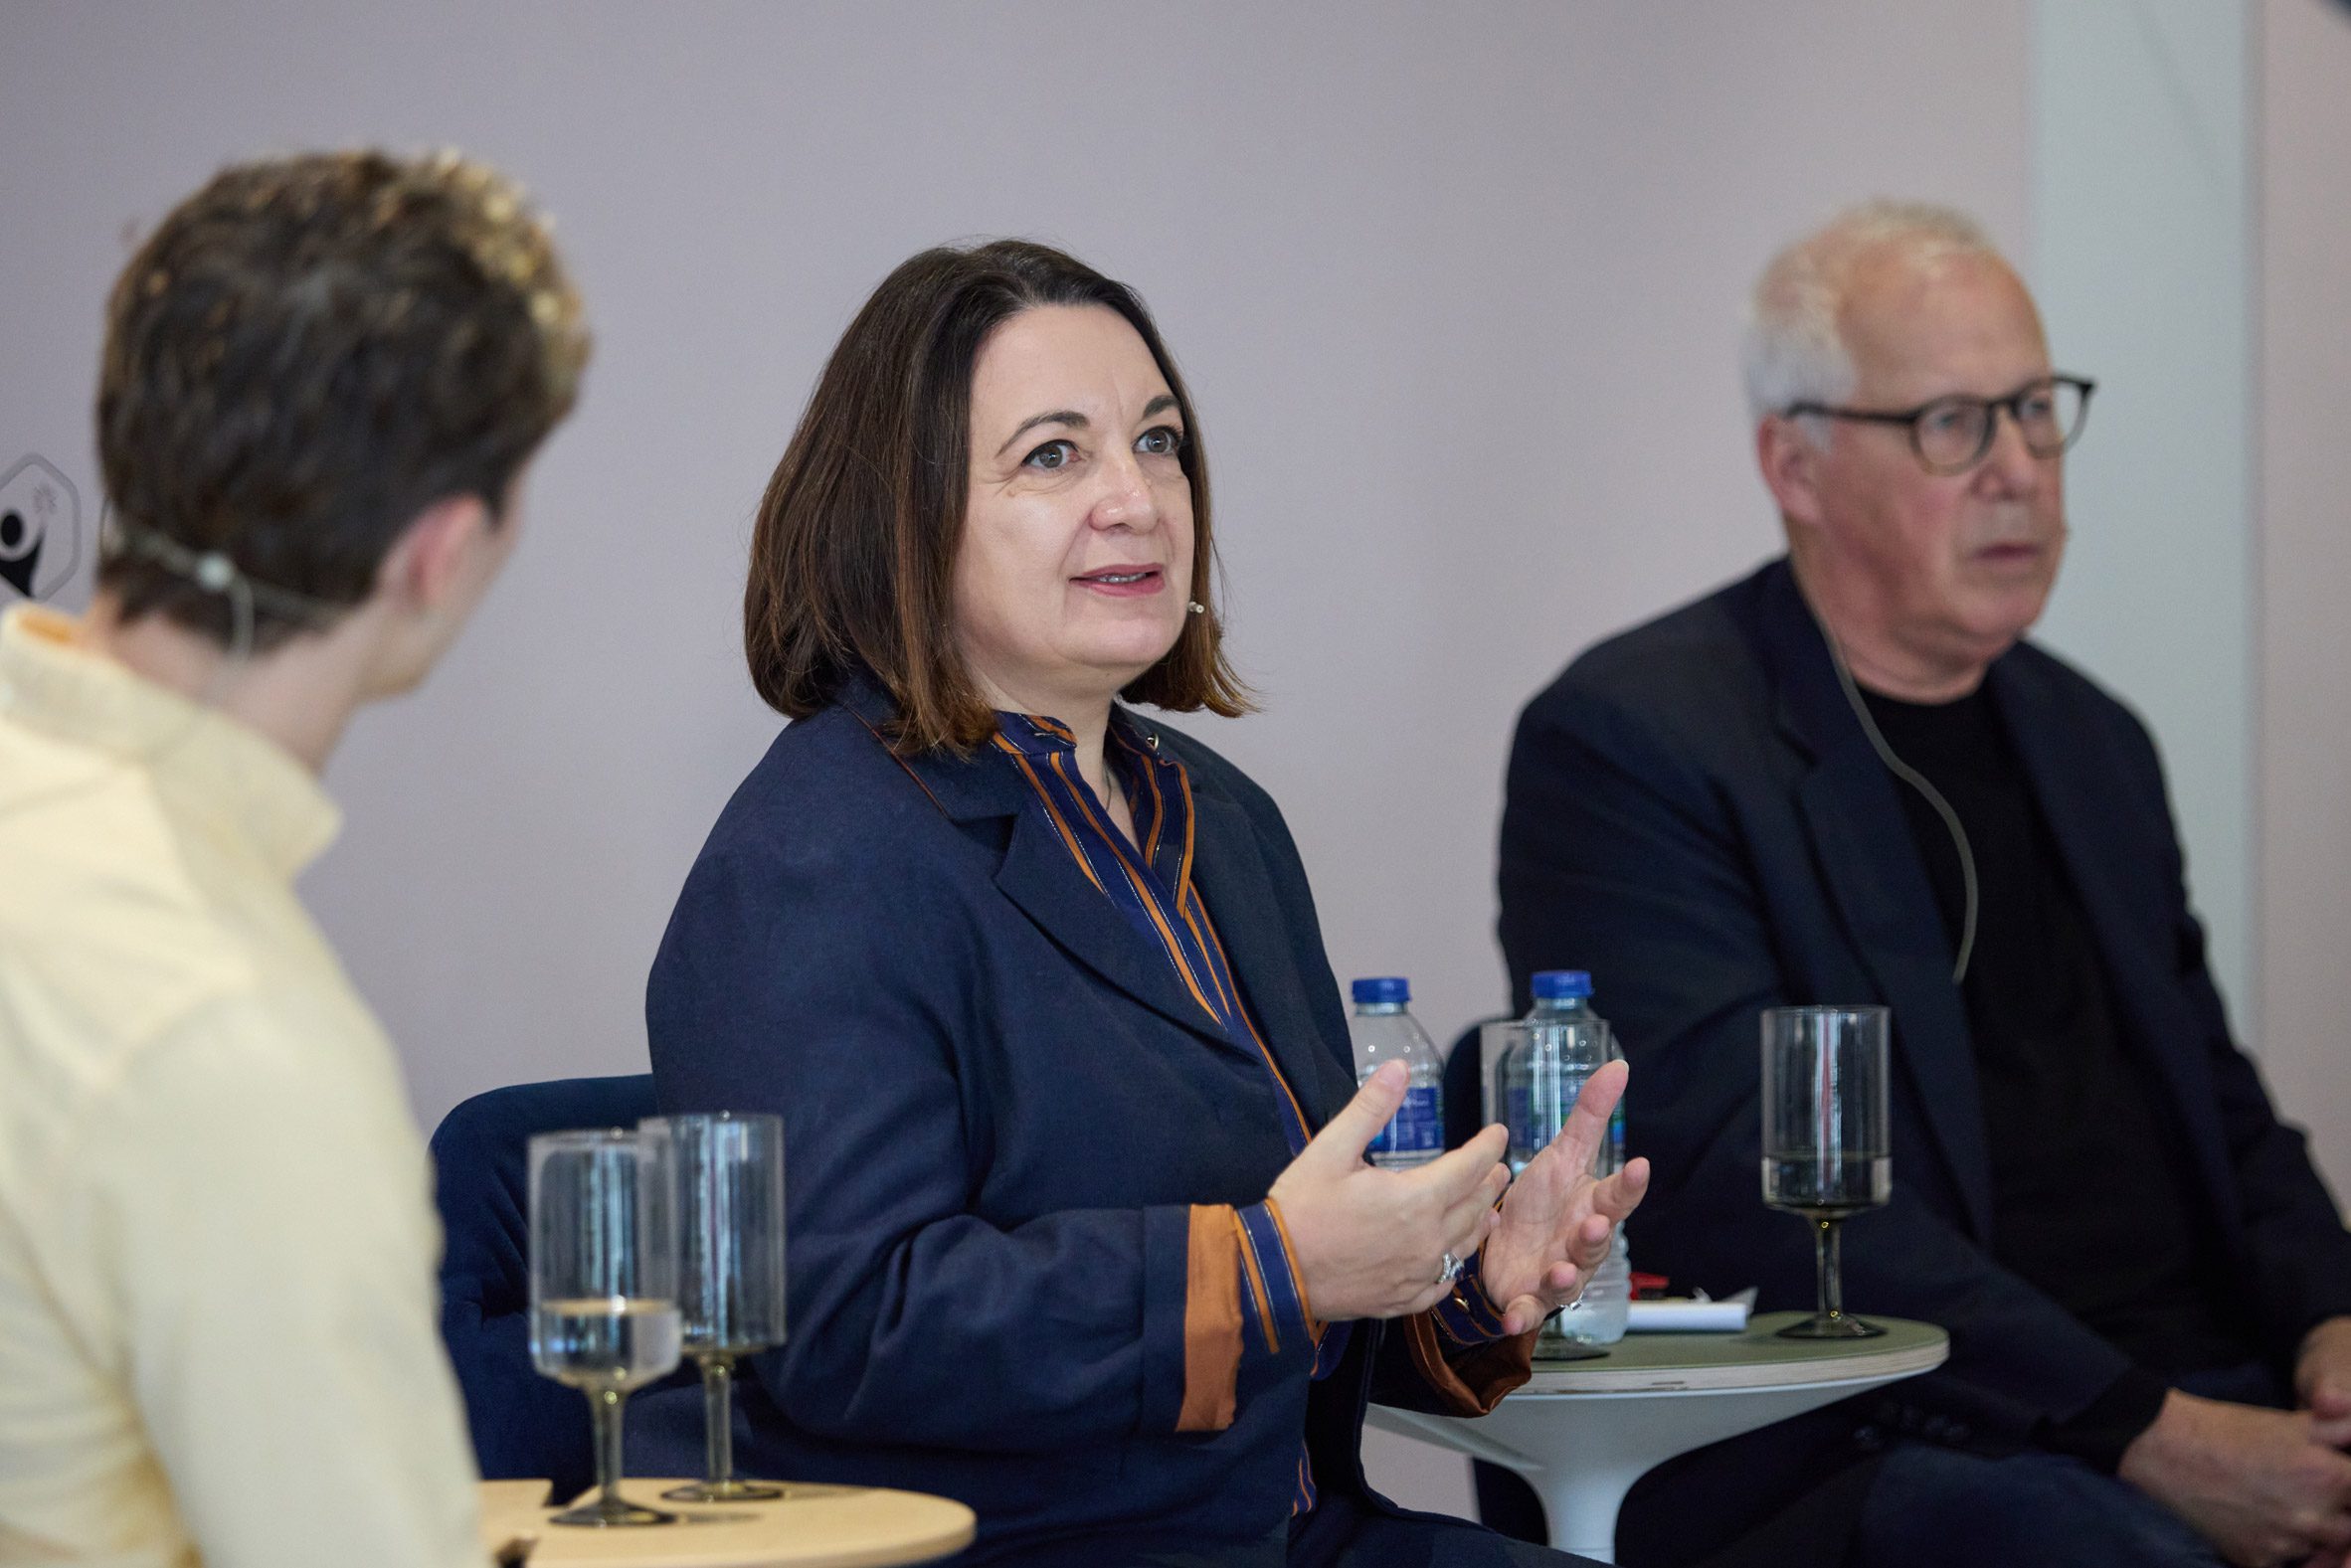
999,1105
1695,816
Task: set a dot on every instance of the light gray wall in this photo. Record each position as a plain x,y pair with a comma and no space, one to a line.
2304,646
1456,286
2143,257
2191,248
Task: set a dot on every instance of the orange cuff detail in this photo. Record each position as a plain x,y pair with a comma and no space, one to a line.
1471,1382
1211,1321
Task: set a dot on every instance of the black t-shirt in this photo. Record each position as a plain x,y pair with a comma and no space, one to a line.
2093,1201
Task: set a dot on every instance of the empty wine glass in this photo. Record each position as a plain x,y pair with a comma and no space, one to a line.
1825,1151
728,1171
604,1288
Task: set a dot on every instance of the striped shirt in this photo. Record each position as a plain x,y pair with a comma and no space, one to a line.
1244,1294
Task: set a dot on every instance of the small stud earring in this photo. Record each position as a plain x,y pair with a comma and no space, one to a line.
1195,607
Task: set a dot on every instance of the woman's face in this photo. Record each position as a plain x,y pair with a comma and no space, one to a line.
1075,564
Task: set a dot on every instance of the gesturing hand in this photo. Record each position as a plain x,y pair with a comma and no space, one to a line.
1555,1224
1366,1243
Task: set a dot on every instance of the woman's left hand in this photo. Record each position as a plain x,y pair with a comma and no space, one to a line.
1556,1221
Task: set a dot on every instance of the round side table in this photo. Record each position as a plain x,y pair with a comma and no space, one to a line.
1582,1431
809,1527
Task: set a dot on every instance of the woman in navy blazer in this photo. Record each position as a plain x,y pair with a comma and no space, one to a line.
1080,1229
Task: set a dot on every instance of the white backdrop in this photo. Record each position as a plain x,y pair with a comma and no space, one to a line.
2143,221
2303,562
1457,289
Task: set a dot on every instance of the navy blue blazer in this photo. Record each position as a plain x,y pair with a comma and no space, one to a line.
1695,814
999,1104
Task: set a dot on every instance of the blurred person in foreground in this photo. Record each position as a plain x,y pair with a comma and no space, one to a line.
322,379
1081,1231
2145,1281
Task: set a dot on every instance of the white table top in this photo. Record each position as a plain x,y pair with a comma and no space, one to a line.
1754,1357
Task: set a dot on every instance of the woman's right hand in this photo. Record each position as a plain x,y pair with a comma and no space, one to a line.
1366,1242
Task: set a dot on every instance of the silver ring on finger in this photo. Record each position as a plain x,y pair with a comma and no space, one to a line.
1449,1269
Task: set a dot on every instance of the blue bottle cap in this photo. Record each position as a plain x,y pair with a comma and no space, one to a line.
1552,985
1383,988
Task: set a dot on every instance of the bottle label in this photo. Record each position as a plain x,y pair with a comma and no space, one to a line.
1536,1105
1535,1113
1417,1129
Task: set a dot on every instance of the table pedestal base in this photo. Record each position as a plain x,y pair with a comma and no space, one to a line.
1581,1452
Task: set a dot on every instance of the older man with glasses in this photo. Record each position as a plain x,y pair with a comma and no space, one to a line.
1848,778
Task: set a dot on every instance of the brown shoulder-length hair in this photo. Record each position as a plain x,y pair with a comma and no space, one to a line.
853,560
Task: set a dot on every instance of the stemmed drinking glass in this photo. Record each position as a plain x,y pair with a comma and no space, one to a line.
604,1288
1825,1151
728,1171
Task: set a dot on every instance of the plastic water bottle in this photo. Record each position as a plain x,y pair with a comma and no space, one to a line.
1564,1044
1561,1043
1566,996
1385,1031
1598,1317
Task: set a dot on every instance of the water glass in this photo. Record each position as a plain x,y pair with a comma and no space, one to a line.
1825,1153
604,1288
728,1176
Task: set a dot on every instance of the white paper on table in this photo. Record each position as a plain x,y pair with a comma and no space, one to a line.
1677,1314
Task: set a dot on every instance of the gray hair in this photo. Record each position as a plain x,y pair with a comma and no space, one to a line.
1792,351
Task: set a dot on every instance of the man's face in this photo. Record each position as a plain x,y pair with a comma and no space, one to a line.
1952,569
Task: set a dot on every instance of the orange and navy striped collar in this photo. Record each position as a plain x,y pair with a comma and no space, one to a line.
1148,878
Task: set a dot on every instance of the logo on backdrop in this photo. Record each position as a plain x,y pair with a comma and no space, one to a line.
39,528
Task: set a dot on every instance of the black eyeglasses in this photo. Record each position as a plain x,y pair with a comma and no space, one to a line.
1951,435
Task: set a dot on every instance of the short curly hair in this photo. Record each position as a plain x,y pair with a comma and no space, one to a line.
311,351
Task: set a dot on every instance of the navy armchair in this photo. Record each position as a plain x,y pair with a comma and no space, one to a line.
523,1424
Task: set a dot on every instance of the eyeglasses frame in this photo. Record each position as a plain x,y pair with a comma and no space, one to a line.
2013,403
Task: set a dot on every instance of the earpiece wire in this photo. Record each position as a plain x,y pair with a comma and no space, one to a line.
1919,781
